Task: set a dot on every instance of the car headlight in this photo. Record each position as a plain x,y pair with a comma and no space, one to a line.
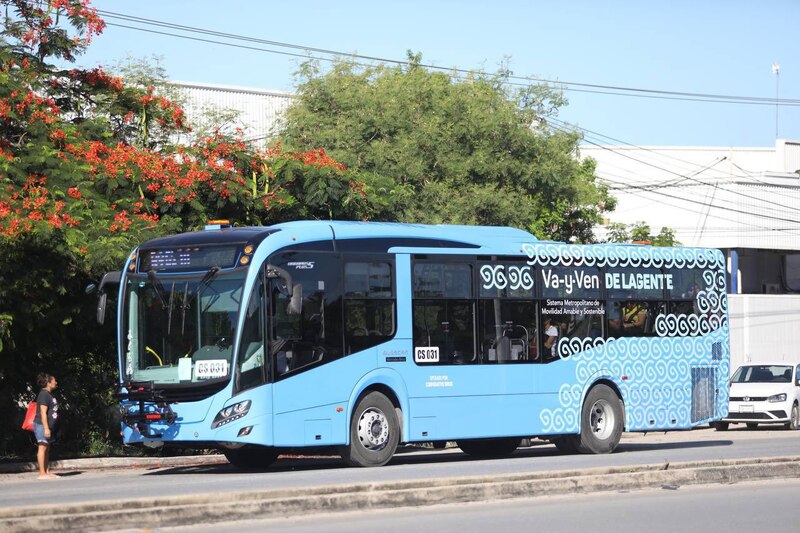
233,412
777,397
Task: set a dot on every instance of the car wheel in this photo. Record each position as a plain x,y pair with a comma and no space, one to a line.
752,425
721,426
794,422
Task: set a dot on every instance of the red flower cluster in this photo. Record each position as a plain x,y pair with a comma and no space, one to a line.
316,158
42,29
98,79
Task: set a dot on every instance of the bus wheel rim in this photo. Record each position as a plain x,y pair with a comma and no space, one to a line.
373,429
602,419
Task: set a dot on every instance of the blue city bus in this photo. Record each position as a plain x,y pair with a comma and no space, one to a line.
357,337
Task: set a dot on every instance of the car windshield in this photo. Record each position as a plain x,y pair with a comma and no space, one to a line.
763,374
180,329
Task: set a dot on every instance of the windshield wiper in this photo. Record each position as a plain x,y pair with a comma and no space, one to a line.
184,307
203,282
159,289
169,315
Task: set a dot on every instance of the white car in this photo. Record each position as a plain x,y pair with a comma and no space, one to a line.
764,394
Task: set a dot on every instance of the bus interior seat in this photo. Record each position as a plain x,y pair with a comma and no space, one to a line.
503,347
519,349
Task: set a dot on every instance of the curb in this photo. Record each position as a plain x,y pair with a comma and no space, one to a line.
115,462
218,507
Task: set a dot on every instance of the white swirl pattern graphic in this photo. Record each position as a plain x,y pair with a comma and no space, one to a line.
506,276
653,374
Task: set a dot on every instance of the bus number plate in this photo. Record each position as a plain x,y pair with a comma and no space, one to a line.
213,368
426,354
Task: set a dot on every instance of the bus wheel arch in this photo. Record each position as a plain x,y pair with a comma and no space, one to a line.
602,419
375,428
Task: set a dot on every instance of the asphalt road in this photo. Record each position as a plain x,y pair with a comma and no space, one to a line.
125,482
743,507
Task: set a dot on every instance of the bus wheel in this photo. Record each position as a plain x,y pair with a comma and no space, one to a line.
489,447
602,421
374,432
251,457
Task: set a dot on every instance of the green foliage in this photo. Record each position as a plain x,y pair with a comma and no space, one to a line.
88,170
447,151
640,232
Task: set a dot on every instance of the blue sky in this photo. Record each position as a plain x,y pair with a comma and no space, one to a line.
711,47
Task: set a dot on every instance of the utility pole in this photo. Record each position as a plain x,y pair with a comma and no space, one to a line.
776,69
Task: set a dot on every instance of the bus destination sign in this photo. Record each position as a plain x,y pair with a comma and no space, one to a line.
188,258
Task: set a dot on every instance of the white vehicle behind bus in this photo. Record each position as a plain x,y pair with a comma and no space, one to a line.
765,393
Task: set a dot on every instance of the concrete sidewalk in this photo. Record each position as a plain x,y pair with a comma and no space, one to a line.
91,463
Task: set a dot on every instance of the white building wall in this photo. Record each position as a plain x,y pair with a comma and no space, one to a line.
259,111
711,196
764,328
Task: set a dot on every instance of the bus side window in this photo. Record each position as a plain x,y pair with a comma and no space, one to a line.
444,311
635,301
369,304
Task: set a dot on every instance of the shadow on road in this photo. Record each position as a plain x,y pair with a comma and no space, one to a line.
411,455
645,446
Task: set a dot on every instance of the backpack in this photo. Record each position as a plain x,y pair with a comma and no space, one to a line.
30,415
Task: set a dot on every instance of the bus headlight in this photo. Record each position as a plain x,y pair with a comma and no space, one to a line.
231,413
777,397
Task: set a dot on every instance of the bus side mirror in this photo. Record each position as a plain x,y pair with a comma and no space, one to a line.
285,285
101,308
111,278
295,306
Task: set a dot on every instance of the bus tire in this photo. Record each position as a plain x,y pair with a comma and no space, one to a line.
489,447
602,421
374,432
251,457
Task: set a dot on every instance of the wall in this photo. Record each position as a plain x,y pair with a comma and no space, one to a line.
764,328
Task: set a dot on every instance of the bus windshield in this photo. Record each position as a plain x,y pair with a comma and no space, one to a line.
180,329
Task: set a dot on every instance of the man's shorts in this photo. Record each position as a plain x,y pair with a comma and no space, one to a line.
38,431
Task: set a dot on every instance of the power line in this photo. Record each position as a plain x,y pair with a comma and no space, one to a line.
650,93
565,85
733,209
684,177
748,213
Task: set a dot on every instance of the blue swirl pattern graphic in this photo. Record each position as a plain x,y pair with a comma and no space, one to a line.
653,374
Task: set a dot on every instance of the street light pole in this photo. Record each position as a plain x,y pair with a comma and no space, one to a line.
776,69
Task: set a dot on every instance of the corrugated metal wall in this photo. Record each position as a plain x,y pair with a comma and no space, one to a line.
259,111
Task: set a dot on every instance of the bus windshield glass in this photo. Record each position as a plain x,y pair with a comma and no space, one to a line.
180,329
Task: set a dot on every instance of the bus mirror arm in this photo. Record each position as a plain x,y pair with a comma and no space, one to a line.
287,287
